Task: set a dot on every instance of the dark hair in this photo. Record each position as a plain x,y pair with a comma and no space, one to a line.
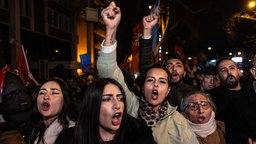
209,70
174,56
222,59
94,74
67,112
77,87
253,63
87,127
184,101
160,67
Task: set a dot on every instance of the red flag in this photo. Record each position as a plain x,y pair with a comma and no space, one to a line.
22,65
3,71
135,47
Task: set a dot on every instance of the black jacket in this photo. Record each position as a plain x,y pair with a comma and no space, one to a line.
237,109
136,132
17,104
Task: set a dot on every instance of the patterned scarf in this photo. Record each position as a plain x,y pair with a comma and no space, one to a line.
147,113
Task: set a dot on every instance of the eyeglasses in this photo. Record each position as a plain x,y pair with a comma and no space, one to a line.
195,106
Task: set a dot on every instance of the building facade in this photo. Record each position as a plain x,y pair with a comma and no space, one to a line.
54,34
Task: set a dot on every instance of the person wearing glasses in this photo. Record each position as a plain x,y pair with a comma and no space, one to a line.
199,110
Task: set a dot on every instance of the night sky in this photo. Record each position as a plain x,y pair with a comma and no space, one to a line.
198,25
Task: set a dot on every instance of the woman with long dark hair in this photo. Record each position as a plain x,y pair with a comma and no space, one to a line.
94,124
103,118
53,111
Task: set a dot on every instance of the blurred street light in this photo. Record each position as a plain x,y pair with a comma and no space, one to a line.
240,24
251,13
150,7
251,4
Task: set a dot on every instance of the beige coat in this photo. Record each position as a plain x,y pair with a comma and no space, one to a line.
174,129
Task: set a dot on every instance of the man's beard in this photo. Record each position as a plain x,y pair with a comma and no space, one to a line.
232,84
179,77
176,83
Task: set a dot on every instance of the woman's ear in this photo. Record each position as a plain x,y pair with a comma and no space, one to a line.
253,72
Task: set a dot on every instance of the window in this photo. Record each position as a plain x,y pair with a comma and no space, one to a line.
25,7
50,17
4,4
58,18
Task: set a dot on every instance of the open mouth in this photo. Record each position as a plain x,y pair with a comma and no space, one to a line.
231,80
174,75
154,94
117,115
45,106
201,119
116,119
211,86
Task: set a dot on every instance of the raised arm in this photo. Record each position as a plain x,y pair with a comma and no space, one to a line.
149,22
107,64
111,16
30,75
146,54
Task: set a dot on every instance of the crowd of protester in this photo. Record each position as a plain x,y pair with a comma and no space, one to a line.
166,104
